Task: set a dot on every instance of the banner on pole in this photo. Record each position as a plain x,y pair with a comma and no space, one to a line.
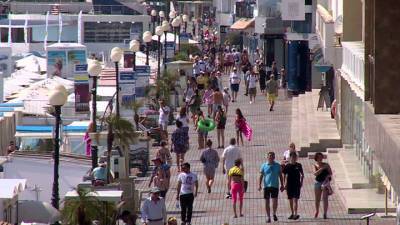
127,84
81,86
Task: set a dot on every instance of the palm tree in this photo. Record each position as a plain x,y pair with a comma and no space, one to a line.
86,208
121,132
163,86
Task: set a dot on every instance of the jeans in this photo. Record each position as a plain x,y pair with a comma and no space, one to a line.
186,201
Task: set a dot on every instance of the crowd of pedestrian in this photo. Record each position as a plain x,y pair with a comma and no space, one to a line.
204,88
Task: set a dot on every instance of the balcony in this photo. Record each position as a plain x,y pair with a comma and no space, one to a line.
353,62
328,39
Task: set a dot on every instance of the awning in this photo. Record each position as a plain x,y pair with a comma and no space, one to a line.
243,24
37,212
31,23
11,187
322,66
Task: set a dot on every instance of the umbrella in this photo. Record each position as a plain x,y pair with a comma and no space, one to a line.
37,212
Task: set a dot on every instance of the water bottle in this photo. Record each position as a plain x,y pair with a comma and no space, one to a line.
177,205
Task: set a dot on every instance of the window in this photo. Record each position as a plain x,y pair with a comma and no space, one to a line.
303,26
308,2
114,32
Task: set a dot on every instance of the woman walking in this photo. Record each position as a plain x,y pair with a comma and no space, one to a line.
227,98
322,186
240,122
210,160
194,104
220,118
180,143
201,135
208,100
236,185
161,181
263,77
183,118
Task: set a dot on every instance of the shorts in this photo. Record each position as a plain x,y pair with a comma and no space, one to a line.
253,91
235,87
209,172
237,189
271,192
271,97
293,192
215,107
163,125
318,185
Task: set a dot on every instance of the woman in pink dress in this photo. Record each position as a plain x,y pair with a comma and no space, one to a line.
242,127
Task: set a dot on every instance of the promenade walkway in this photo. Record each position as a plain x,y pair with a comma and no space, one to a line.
271,133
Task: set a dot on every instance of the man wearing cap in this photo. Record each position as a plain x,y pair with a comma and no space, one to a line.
153,209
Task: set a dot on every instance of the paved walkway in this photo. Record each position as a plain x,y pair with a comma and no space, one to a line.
271,133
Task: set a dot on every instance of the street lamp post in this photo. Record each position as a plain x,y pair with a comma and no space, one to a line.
116,55
57,98
147,37
165,28
94,70
175,24
153,18
134,46
159,32
185,19
161,14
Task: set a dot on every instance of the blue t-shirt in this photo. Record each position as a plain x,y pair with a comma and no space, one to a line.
100,173
271,174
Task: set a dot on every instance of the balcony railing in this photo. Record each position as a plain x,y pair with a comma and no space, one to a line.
354,61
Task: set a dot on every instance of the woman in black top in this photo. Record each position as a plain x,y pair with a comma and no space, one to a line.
323,175
263,77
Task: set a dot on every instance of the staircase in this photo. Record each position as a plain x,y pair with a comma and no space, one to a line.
313,130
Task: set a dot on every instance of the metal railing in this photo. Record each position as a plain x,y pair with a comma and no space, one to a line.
354,61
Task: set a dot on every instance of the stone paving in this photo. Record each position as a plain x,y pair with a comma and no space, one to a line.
271,133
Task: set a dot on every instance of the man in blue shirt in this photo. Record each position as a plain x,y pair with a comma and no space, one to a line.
270,175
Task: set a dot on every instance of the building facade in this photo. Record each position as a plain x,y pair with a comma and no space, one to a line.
358,42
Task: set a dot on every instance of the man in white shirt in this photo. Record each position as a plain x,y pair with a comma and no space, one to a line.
153,209
163,119
186,192
234,80
229,156
252,82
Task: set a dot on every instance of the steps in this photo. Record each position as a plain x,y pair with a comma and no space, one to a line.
354,189
312,130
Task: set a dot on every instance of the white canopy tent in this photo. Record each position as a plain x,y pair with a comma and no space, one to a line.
170,38
9,188
32,63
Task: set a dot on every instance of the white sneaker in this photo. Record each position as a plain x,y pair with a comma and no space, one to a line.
251,102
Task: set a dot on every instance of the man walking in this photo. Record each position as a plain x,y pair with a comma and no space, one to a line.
229,156
186,192
294,176
270,175
210,160
272,91
153,209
